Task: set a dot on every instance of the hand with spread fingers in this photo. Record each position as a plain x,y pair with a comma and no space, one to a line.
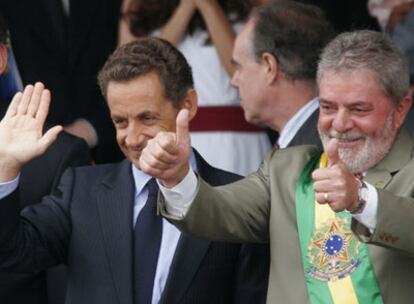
21,130
166,156
335,185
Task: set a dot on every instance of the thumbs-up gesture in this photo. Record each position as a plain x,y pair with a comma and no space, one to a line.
166,156
335,185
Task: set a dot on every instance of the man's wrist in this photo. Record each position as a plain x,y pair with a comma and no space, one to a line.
8,171
172,183
362,199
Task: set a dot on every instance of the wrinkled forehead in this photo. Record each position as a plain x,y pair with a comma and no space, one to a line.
345,76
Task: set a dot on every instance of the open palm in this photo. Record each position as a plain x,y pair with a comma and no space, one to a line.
21,128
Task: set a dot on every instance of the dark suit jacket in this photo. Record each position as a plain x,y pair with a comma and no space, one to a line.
306,135
87,224
37,179
66,54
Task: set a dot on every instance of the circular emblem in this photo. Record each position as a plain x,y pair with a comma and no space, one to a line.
333,251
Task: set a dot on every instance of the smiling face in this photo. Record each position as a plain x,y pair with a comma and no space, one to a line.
355,110
139,110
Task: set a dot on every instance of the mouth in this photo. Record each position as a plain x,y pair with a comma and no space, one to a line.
349,142
136,154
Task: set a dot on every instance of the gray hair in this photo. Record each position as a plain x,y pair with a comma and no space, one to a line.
371,51
294,33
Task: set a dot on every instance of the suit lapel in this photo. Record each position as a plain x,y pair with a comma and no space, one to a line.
115,208
187,258
189,253
397,158
308,132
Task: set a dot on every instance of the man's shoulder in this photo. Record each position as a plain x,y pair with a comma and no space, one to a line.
295,153
213,175
65,144
291,161
103,169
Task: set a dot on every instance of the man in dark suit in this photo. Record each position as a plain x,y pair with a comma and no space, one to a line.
38,178
276,71
64,43
94,221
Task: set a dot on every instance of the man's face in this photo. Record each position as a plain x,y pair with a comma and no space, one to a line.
248,77
354,109
139,110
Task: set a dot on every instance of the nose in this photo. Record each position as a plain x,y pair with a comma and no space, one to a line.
342,121
235,79
134,137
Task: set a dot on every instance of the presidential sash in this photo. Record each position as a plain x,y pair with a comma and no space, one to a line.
337,266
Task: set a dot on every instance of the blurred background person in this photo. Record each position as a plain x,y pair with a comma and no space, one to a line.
64,43
396,18
345,15
276,71
204,31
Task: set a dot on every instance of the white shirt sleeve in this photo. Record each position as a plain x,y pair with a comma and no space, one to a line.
368,217
179,198
8,187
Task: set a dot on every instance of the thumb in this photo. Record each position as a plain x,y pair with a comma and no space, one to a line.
332,152
182,127
49,137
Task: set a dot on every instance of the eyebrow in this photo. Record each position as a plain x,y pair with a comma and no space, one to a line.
146,113
352,104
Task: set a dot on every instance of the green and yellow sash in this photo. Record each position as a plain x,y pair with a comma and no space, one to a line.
337,266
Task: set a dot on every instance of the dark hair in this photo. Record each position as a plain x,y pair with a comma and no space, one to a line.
4,33
147,55
370,51
146,16
294,33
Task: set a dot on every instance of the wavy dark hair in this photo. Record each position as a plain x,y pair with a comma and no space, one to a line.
146,16
146,55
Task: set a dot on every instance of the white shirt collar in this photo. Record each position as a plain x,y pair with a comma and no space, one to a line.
296,122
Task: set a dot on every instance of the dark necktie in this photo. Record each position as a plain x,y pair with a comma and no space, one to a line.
147,240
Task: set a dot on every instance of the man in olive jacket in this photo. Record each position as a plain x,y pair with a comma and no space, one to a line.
339,223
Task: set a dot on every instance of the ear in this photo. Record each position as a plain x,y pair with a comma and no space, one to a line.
271,67
401,111
3,58
190,103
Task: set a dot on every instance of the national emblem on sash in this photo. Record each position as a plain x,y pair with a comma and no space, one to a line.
333,251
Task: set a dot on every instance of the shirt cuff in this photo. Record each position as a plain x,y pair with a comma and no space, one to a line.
7,188
368,217
179,198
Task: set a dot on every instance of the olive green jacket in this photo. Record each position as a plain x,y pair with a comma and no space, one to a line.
261,208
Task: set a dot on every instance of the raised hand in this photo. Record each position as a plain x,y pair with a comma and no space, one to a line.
166,156
21,129
335,185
